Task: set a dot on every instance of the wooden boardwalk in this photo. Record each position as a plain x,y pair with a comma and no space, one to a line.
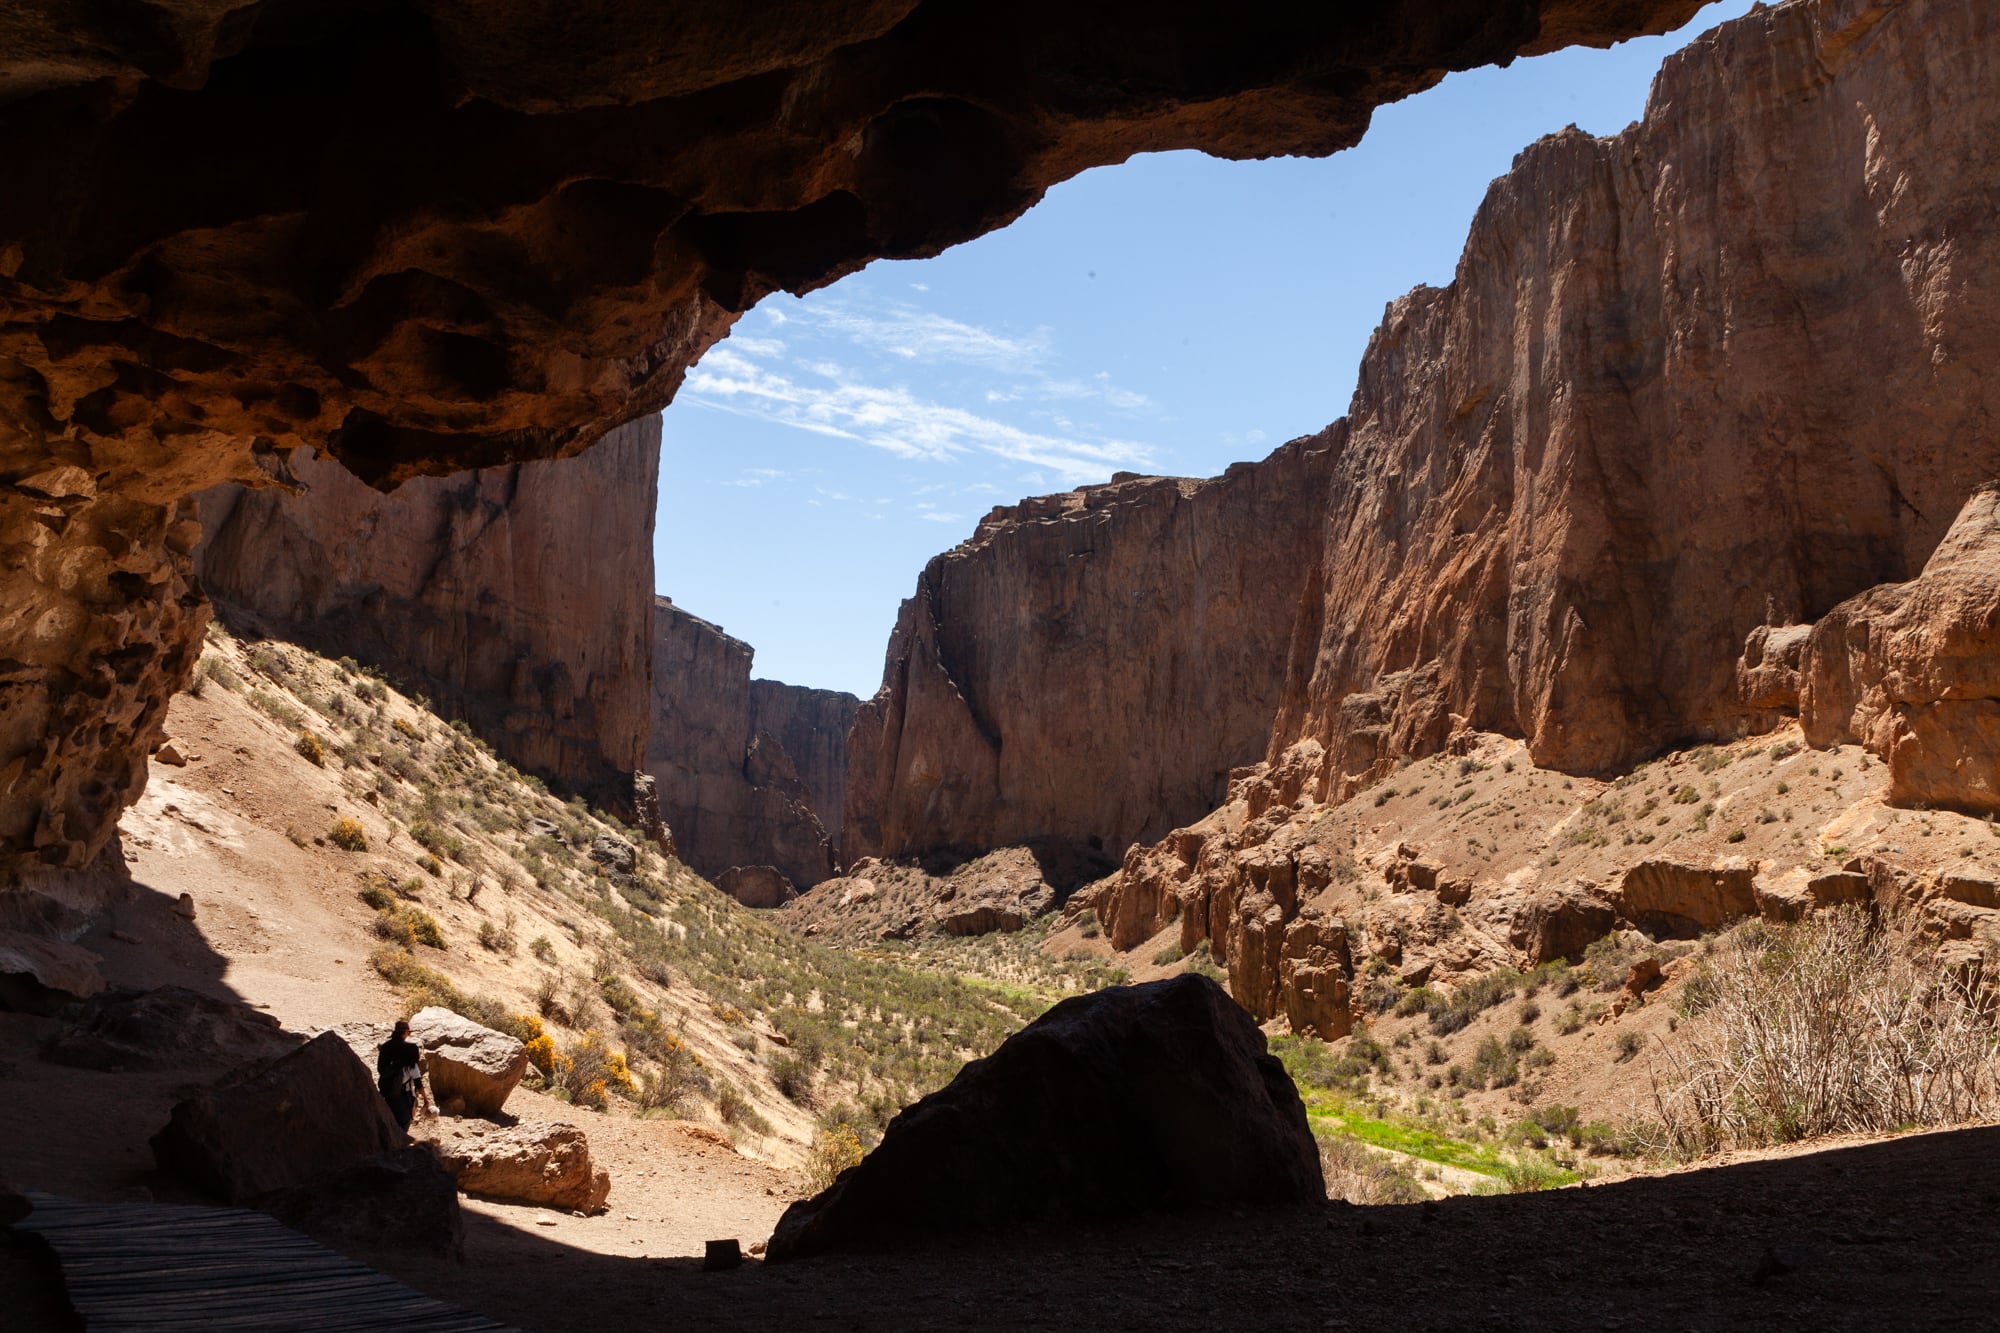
167,1267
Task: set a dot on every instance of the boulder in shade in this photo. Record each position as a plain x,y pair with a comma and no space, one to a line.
471,1067
404,1200
1129,1100
279,1125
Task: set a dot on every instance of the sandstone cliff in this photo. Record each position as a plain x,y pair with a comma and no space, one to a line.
1089,666
1719,371
428,237
812,726
728,788
518,597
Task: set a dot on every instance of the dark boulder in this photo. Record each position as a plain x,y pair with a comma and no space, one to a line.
275,1126
403,1200
1130,1100
167,1027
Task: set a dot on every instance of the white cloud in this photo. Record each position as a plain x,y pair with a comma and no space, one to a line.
897,421
750,345
918,335
936,517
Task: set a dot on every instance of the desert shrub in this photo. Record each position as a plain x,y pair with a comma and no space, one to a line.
348,834
1528,1012
1629,1044
216,669
619,996
1520,1040
834,1149
1829,1025
409,926
497,939
1472,999
310,748
793,1076
402,728
1088,924
542,949
548,998
1570,1020
1493,1064
376,893
736,1109
1527,1172
1359,1174
1168,955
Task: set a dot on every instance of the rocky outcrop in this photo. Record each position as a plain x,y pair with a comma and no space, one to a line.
168,1027
899,900
1088,667
1575,480
756,886
279,1125
534,1162
471,1068
1130,1100
518,598
730,791
1912,670
1664,897
222,239
39,974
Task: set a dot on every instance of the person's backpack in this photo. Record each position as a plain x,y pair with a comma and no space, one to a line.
413,1077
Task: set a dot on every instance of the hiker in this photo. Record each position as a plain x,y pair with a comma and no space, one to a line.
399,1073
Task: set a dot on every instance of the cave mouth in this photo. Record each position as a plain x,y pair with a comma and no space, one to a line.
1171,315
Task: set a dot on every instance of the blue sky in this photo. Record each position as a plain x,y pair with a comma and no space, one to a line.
1174,314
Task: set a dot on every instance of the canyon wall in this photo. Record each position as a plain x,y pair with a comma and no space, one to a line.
424,236
1722,370
728,786
1088,667
517,597
812,726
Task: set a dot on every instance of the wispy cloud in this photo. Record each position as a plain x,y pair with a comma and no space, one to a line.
919,335
893,419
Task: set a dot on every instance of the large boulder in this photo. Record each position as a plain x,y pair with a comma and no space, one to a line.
167,1027
757,886
403,1200
471,1067
276,1126
40,975
1128,1100
1552,921
535,1161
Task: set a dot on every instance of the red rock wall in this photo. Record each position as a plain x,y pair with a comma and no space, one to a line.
812,726
728,790
517,597
1723,370
1089,666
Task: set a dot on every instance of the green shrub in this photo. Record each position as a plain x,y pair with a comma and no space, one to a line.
409,926
310,748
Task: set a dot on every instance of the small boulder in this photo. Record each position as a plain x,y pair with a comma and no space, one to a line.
403,1200
275,1126
756,886
535,1161
1128,1100
171,754
469,1065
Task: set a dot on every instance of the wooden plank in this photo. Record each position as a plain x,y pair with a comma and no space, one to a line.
163,1268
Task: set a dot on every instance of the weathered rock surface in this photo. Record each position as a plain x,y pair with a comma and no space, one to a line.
428,238
166,1028
1088,667
1002,890
534,1161
402,1200
811,726
1574,481
1129,1100
1665,897
69,970
729,791
519,598
1912,670
471,1068
756,886
280,1125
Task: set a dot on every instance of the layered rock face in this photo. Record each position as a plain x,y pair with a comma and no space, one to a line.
427,237
517,597
1089,666
1630,430
729,789
812,726
1912,670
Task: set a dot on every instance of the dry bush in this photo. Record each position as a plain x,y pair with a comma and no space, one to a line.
1359,1174
1831,1025
837,1148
